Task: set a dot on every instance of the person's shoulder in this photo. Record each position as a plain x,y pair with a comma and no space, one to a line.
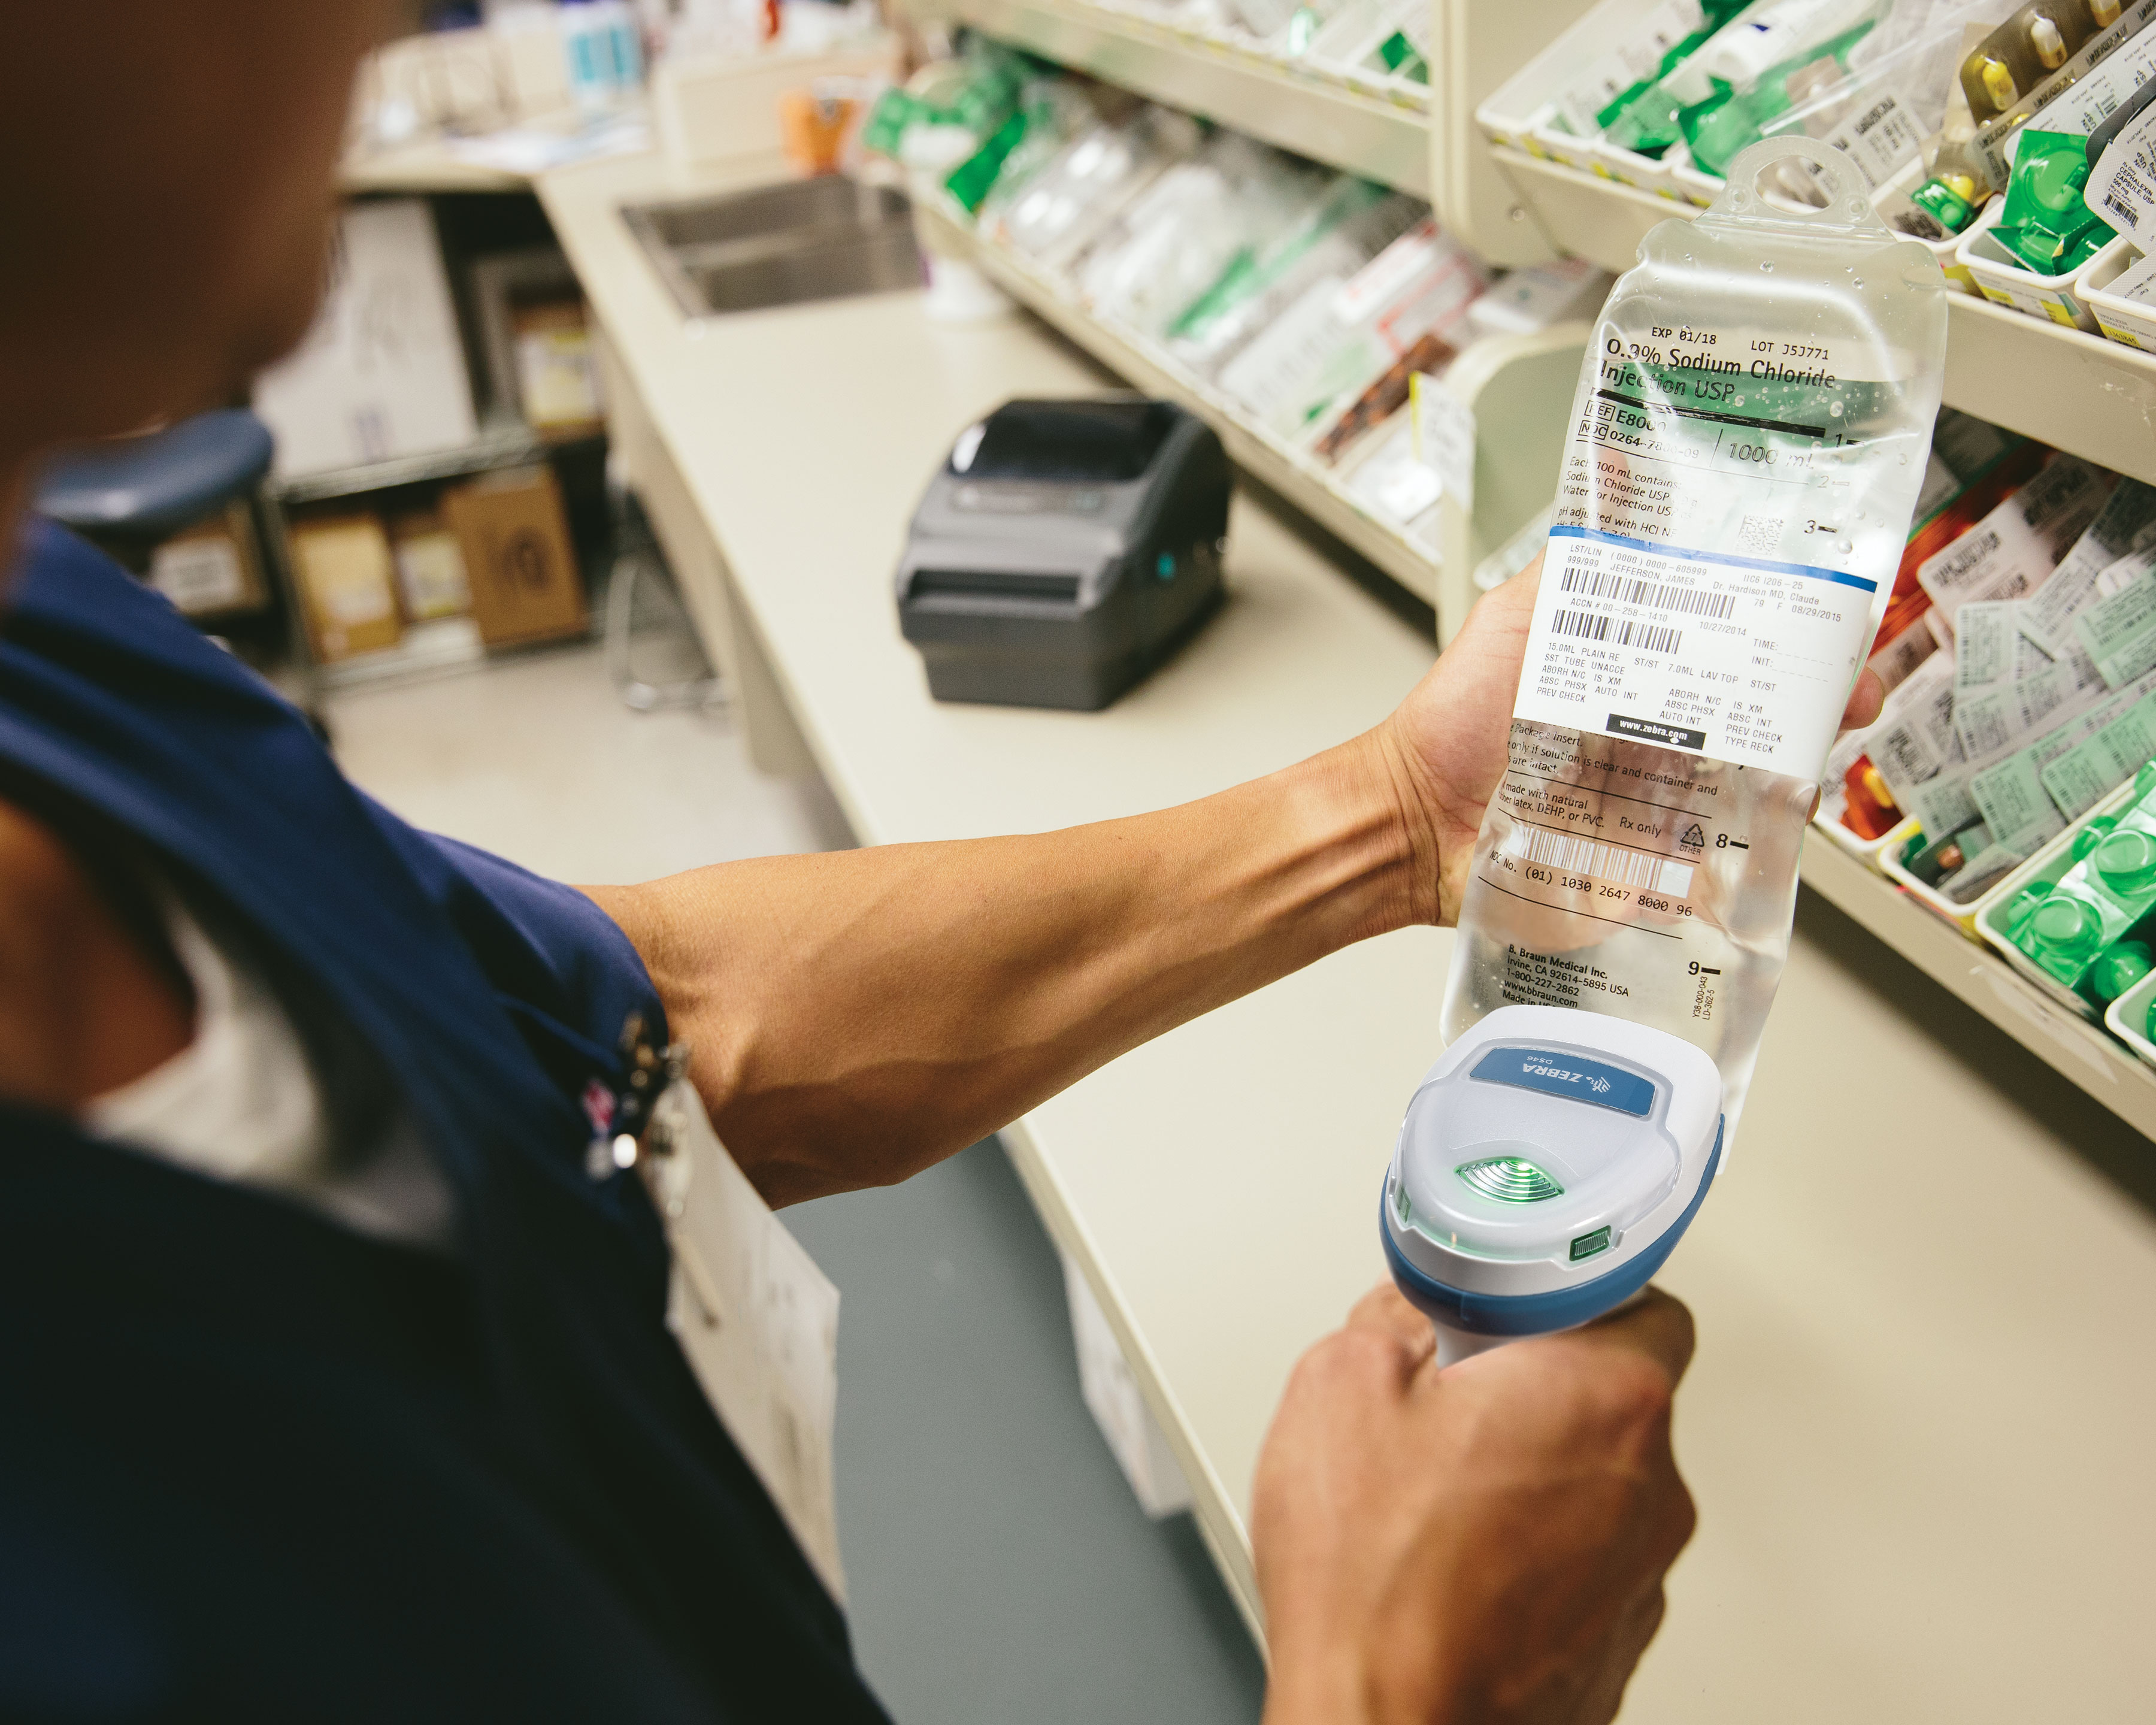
67,608
545,947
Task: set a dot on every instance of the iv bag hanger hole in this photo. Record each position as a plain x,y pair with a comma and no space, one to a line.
1796,183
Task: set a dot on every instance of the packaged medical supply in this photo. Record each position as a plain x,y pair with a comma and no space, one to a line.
1383,37
1622,81
1749,444
2022,52
1897,93
1395,482
1353,222
2125,524
2045,224
2122,157
1384,398
1523,301
1179,235
1951,201
1755,69
2020,542
1310,363
1063,206
1996,692
1972,467
2053,61
2079,932
1050,112
2118,967
948,109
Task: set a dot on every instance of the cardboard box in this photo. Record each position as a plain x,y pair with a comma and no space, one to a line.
383,372
347,584
430,567
558,374
518,557
211,568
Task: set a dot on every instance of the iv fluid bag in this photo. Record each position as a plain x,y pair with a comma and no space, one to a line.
1747,442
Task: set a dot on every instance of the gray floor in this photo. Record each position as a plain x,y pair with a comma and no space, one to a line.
998,1566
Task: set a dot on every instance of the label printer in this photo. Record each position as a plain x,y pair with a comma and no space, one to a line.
1064,550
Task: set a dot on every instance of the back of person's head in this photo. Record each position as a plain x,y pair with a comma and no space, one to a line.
165,212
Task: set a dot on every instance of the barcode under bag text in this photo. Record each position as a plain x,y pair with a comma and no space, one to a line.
1614,863
1631,590
1593,626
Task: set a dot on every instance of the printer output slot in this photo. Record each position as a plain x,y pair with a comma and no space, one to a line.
1000,583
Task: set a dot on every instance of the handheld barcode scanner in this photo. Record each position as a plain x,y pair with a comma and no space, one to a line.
1548,1165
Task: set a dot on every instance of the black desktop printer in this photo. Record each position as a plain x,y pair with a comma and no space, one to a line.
1066,549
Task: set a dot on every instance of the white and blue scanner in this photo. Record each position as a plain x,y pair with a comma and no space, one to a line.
1547,1165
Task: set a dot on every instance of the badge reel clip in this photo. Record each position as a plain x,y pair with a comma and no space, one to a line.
627,1126
1547,1165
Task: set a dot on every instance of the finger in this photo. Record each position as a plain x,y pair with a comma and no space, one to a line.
1653,1324
1511,603
1385,1308
1865,701
1628,1640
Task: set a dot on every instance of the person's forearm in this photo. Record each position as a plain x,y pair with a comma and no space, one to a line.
855,1016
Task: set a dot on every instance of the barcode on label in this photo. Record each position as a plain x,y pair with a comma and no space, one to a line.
1593,626
2121,209
1614,863
1630,591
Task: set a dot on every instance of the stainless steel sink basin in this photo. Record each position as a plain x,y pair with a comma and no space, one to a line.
826,239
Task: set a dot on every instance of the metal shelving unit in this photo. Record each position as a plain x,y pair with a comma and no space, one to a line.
427,647
1273,462
503,445
1378,128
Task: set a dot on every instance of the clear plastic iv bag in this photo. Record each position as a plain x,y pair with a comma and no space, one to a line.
1747,443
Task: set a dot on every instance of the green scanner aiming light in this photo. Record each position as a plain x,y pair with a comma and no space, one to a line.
1547,1167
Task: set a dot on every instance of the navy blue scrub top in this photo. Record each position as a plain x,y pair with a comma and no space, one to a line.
254,1466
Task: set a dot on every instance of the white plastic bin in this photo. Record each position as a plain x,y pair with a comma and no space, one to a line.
1868,852
2121,318
2126,1017
1963,915
2001,278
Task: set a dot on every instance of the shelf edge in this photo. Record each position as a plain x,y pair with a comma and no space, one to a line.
2078,1051
1305,112
2079,393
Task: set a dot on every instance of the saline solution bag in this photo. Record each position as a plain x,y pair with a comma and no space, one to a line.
1747,442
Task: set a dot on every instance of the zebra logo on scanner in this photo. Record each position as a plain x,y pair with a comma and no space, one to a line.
1537,1064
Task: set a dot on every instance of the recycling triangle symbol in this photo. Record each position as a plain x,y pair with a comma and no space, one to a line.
1694,838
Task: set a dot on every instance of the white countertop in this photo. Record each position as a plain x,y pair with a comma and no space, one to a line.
1915,1427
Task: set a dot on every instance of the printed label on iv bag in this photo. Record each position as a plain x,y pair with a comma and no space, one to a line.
1708,586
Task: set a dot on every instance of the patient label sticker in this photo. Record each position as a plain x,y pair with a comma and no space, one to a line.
1744,659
